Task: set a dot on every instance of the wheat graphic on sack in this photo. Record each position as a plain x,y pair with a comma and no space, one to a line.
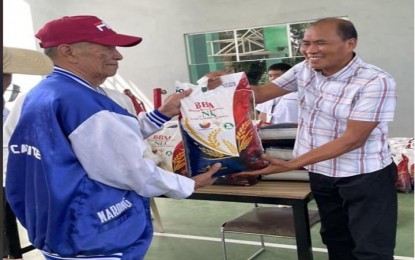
212,142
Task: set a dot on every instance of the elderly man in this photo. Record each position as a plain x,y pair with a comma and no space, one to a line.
17,61
77,179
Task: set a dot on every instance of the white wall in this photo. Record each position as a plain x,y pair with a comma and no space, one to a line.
18,32
386,35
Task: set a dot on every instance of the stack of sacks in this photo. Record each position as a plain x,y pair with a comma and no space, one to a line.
278,141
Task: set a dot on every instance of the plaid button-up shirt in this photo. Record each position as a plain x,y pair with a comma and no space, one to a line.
359,91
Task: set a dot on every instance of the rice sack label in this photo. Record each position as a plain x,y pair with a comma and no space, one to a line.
167,144
217,126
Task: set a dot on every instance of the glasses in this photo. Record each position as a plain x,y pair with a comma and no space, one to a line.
11,93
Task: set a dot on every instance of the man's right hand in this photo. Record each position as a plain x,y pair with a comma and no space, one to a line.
206,179
214,80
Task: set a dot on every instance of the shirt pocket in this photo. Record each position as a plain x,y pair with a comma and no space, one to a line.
335,105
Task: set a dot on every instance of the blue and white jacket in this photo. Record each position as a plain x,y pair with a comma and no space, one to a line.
76,176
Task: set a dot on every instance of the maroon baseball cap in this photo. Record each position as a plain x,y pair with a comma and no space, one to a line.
83,28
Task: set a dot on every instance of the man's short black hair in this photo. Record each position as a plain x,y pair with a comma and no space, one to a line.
280,66
345,28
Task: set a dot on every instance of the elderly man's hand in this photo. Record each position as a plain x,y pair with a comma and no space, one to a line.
171,105
205,179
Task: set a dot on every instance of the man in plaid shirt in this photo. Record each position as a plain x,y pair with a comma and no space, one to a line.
344,109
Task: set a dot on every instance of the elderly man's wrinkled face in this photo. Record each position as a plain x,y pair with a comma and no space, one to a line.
97,62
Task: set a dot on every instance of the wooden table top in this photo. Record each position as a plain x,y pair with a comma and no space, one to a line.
270,189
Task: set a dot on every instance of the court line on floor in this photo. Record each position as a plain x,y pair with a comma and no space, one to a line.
245,242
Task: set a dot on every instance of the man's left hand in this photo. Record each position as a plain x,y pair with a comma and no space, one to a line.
171,105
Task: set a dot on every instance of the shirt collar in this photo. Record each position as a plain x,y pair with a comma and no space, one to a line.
73,76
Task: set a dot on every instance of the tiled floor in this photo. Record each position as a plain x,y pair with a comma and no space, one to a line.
191,232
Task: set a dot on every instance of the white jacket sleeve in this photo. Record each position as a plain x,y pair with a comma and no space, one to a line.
110,147
149,123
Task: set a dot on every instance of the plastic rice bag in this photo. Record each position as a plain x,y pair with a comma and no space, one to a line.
217,126
167,144
402,149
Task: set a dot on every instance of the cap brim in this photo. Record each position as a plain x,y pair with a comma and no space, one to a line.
120,40
24,61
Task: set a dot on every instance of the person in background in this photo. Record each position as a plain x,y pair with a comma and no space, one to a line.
75,180
345,105
281,109
17,61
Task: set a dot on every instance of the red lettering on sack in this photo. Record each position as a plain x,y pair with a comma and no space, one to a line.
161,137
200,105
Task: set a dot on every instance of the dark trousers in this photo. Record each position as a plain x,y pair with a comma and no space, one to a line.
358,214
11,240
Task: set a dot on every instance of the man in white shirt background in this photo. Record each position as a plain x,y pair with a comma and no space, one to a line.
282,109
